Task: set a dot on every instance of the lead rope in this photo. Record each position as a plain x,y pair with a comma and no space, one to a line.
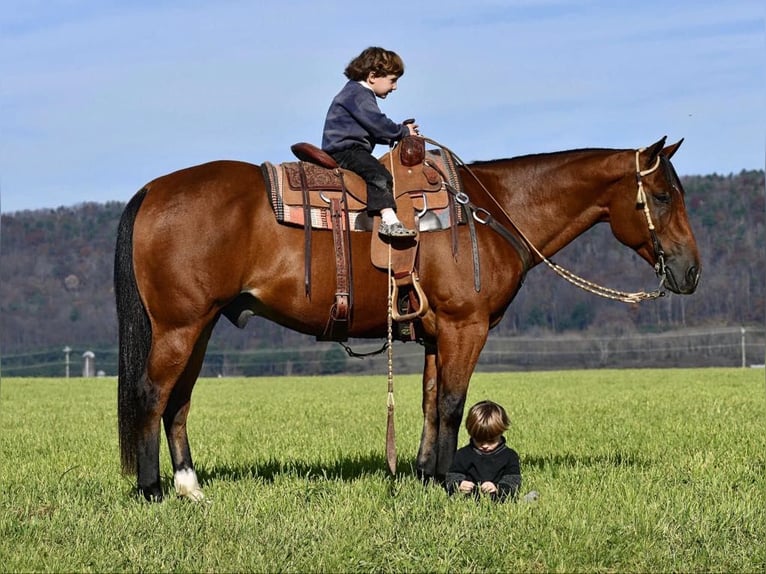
390,430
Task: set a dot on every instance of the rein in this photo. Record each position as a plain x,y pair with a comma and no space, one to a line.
482,216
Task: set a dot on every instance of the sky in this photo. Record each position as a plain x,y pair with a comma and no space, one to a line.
99,97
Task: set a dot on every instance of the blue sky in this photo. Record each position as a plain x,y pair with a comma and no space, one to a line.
99,97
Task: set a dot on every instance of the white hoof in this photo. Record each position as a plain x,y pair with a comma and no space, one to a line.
187,485
195,495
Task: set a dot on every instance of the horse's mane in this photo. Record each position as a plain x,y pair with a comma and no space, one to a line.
539,156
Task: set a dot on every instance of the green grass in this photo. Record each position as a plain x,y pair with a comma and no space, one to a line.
641,470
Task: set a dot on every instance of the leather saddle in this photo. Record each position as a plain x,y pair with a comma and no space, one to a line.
317,179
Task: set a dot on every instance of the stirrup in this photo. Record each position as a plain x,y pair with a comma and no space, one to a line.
395,230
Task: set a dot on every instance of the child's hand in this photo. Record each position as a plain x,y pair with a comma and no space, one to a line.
488,487
412,126
466,486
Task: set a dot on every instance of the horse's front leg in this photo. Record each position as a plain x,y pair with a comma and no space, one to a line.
458,349
426,463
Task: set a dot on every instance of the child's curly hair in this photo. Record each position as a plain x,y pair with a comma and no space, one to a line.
486,420
378,61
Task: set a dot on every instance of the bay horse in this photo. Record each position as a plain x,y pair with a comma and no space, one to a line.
192,242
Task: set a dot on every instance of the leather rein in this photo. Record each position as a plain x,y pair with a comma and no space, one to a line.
483,217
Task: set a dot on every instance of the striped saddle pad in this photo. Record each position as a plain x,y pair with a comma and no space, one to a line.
425,184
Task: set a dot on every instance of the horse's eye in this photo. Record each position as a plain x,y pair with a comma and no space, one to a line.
662,196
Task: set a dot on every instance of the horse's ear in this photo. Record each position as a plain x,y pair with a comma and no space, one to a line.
673,148
655,149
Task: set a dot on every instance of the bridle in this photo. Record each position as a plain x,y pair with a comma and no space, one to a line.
483,217
641,203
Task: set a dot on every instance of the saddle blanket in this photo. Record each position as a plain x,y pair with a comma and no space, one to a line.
279,181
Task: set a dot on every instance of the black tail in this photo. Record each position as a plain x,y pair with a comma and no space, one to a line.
135,336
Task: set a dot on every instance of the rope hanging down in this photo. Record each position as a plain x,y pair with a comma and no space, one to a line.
390,431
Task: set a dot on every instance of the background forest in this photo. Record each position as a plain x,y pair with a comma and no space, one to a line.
56,288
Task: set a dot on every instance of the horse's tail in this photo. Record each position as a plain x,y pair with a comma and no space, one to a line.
135,336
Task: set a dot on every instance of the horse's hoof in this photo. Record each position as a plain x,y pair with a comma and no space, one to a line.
151,494
429,479
187,485
195,495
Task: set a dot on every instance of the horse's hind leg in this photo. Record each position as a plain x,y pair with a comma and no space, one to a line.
148,446
184,476
168,359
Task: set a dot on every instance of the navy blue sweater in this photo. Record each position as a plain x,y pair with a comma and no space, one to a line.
354,118
501,467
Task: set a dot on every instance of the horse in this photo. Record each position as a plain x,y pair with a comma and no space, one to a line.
195,242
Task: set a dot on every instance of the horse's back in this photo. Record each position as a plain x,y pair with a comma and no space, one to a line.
205,180
213,191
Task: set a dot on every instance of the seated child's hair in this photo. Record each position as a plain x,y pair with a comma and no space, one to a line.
486,420
379,61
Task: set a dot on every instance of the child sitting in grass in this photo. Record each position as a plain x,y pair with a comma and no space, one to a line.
486,465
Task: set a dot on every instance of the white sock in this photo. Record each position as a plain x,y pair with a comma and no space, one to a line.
388,216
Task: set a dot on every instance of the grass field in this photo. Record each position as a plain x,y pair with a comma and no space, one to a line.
641,470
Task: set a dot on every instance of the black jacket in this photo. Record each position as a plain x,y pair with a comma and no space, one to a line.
501,467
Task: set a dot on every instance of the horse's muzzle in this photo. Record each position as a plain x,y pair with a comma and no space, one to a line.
682,279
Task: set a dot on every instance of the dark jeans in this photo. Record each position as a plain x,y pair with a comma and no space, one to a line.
380,184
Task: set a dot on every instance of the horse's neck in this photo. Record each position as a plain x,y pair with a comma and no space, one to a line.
555,198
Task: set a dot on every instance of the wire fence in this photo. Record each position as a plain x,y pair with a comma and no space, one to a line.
720,347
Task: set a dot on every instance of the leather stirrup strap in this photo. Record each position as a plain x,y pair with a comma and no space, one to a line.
306,231
474,252
347,238
454,219
337,324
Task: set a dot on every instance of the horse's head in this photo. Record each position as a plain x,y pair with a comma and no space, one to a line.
652,219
